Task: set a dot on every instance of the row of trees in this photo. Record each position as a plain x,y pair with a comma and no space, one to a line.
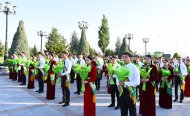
57,43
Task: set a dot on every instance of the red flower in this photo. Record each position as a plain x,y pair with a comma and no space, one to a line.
51,73
54,62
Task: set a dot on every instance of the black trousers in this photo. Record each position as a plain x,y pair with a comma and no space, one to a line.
15,73
97,82
72,75
23,75
114,92
137,92
126,104
65,90
79,83
40,80
177,83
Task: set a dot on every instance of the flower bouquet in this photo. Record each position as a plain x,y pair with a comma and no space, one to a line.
27,63
19,60
46,68
35,71
58,69
123,73
76,68
110,67
188,69
176,69
165,74
145,74
84,70
121,62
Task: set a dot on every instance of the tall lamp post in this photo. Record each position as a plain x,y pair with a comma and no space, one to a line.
83,25
129,36
41,34
145,40
83,48
8,9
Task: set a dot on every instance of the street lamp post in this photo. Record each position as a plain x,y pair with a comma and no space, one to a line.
145,40
83,48
8,9
129,36
41,34
83,25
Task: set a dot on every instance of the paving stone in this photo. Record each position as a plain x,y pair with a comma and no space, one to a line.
17,100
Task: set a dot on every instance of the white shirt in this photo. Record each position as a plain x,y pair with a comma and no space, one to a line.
134,78
42,62
24,59
74,61
82,62
56,59
140,63
183,69
68,66
101,63
174,63
161,64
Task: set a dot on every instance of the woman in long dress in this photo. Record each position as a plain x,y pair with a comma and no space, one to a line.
51,81
165,90
147,96
89,96
31,75
187,80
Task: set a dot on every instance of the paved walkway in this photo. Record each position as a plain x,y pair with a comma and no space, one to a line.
16,100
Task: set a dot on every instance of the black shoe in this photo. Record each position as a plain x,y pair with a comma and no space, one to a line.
23,84
66,104
175,100
40,91
111,105
78,93
180,101
61,102
37,91
117,107
14,79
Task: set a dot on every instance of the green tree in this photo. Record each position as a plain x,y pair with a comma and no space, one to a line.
83,46
20,42
103,35
1,49
92,51
56,42
34,50
123,48
117,45
109,52
74,43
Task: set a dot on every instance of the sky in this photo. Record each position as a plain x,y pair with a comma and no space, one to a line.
165,22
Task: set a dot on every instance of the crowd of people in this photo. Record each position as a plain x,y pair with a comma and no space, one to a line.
147,77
